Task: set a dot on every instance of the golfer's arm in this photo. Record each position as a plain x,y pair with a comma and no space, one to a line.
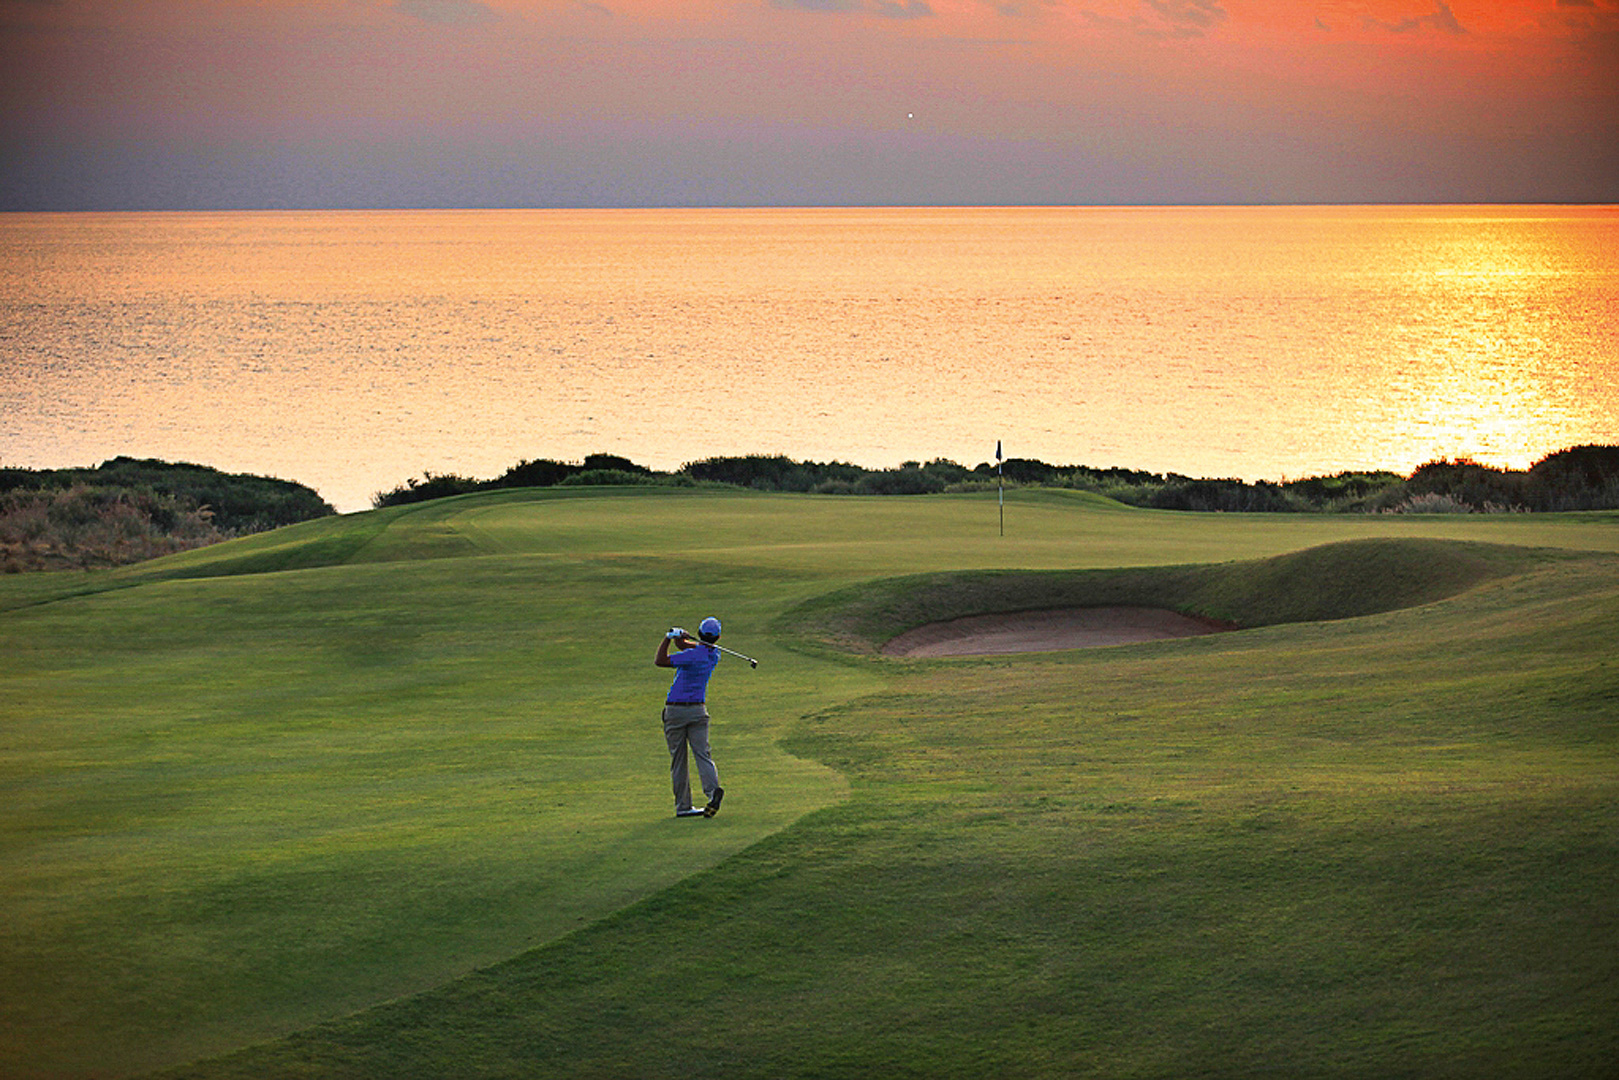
662,659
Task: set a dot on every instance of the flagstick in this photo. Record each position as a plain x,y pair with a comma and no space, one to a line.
1001,491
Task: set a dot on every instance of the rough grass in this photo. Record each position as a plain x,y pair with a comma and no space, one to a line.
405,813
80,527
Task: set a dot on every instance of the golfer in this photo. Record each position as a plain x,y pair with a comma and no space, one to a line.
685,714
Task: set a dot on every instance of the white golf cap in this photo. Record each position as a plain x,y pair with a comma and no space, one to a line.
709,629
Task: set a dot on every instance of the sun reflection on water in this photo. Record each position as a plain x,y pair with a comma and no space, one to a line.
1479,363
353,350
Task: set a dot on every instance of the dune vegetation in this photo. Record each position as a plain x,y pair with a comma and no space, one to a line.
1576,478
383,795
128,510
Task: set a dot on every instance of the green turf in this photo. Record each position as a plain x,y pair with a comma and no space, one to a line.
252,790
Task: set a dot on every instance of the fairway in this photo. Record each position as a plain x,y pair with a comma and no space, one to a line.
385,795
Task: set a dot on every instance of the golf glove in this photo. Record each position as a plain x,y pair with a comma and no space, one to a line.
676,634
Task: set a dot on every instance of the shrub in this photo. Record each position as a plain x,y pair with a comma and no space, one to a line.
614,463
972,485
128,509
1345,491
541,473
1432,502
1579,478
771,472
1468,482
604,477
1184,493
431,486
84,526
241,503
901,481
947,471
1025,471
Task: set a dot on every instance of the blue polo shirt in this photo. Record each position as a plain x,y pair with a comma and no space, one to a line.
693,666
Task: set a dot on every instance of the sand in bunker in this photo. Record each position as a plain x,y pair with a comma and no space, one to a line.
1046,631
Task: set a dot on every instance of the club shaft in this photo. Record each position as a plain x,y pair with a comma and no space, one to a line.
733,652
722,648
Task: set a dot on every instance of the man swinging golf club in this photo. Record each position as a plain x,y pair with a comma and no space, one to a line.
685,714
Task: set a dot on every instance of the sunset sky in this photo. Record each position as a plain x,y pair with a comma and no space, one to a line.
411,103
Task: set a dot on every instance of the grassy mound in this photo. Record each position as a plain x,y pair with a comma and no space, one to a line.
1374,847
392,800
1334,581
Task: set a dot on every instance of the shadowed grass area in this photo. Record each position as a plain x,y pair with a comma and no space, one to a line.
251,793
1335,581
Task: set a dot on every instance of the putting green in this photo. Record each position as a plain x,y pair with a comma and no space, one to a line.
261,785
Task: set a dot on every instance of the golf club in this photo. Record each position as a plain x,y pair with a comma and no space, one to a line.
687,637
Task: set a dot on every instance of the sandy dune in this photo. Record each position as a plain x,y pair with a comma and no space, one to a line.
1046,631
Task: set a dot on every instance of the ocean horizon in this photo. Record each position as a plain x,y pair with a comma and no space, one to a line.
353,350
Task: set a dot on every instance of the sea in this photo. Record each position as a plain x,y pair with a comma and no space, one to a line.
354,351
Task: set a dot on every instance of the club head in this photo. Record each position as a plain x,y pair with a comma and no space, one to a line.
753,663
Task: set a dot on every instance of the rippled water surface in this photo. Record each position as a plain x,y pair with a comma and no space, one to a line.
353,350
